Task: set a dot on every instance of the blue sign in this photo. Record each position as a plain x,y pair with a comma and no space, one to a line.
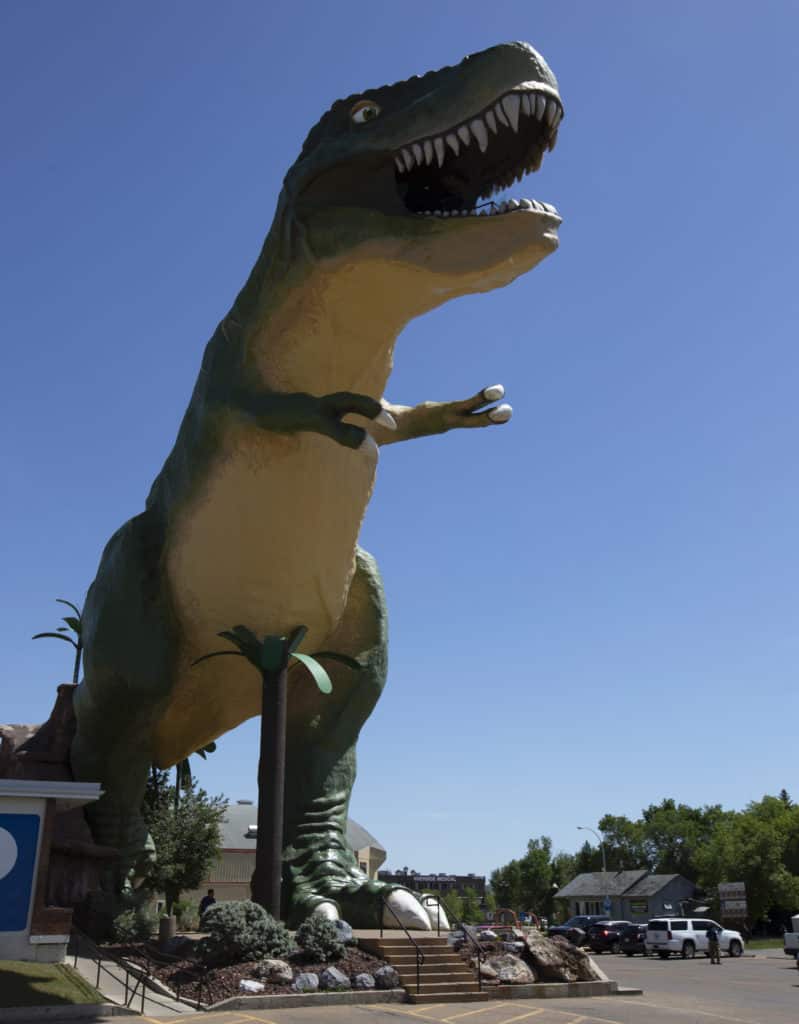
607,905
19,834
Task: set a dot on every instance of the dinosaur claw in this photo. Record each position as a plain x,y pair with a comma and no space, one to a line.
501,414
494,393
408,909
385,419
328,910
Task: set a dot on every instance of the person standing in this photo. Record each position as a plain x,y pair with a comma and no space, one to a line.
207,901
713,948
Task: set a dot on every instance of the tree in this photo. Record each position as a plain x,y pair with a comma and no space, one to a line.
625,843
472,912
506,883
270,657
452,903
74,624
535,869
187,838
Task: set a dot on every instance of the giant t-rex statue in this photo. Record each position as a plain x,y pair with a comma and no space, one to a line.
255,515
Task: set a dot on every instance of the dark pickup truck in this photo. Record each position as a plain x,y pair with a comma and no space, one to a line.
575,928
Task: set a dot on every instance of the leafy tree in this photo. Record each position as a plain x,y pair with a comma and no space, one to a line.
535,869
625,843
472,911
187,838
587,858
506,882
490,900
452,903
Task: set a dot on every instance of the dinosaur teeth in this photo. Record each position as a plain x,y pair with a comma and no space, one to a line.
463,134
409,161
540,107
491,121
453,143
511,104
428,151
526,108
480,133
553,113
438,144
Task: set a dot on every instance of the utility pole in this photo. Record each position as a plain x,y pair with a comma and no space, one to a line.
605,893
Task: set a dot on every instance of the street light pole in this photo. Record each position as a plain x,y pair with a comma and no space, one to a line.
585,828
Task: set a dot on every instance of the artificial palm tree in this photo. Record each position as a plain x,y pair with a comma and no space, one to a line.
271,657
74,624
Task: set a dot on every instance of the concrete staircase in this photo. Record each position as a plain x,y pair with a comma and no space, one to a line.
444,976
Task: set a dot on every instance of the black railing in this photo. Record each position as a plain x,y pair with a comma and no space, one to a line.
419,954
459,926
137,977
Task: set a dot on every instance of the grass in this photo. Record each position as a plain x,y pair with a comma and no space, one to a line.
34,984
764,944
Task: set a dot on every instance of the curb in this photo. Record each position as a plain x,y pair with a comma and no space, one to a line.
59,1012
355,998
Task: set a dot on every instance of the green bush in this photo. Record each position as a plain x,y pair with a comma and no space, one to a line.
239,930
133,926
319,938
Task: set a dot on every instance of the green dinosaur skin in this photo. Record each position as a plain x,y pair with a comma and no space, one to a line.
255,514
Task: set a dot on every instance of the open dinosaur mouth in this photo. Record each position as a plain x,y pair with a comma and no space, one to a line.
446,175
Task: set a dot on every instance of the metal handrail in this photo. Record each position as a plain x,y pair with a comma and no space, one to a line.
141,975
419,954
450,918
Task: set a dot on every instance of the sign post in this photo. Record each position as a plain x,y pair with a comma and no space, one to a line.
732,900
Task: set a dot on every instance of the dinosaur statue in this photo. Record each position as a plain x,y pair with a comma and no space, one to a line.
254,518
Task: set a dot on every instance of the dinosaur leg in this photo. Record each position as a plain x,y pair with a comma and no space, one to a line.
128,646
320,872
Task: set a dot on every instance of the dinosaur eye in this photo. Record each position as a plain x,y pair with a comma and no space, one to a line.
364,110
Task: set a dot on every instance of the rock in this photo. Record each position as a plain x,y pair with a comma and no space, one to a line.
487,971
333,978
511,969
387,977
556,959
306,981
276,971
344,932
363,981
250,987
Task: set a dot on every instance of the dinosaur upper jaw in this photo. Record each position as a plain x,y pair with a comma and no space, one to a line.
448,174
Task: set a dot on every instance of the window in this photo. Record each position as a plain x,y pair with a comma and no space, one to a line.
364,867
701,926
679,926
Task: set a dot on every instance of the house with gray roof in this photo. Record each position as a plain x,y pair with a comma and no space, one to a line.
230,876
626,895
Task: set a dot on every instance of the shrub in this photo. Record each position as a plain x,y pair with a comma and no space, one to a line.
240,930
133,926
319,938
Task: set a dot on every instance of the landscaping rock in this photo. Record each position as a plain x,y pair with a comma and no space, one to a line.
333,978
387,977
556,959
307,981
251,987
363,981
278,972
486,970
511,969
344,932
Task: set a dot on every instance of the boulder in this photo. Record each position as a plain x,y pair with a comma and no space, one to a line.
333,978
306,981
276,971
363,980
344,932
556,959
486,970
387,977
511,969
251,987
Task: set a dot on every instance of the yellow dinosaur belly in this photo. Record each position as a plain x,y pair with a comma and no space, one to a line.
268,542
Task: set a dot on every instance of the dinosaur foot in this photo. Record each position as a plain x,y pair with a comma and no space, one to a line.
402,909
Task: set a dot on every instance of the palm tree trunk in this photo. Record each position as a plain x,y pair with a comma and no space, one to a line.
266,879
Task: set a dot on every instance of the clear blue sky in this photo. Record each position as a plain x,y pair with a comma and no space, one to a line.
610,577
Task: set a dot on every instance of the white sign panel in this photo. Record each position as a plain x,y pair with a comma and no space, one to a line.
732,891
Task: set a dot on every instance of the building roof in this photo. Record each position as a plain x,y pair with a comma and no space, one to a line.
601,883
651,884
631,884
240,829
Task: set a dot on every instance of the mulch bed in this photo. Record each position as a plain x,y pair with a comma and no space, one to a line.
220,983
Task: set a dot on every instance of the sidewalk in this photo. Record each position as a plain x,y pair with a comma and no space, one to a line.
111,983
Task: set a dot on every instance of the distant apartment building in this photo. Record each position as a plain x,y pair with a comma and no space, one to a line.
442,883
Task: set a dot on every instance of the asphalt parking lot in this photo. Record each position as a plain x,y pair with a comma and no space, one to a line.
751,990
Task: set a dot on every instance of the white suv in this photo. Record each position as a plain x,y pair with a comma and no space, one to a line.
687,936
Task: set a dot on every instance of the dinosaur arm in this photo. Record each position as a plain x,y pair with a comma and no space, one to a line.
290,412
439,417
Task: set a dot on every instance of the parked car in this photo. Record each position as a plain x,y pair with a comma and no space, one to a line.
633,939
605,937
575,928
687,936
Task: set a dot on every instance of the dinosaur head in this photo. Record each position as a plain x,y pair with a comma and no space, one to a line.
406,172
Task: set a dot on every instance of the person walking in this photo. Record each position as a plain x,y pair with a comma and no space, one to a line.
713,948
